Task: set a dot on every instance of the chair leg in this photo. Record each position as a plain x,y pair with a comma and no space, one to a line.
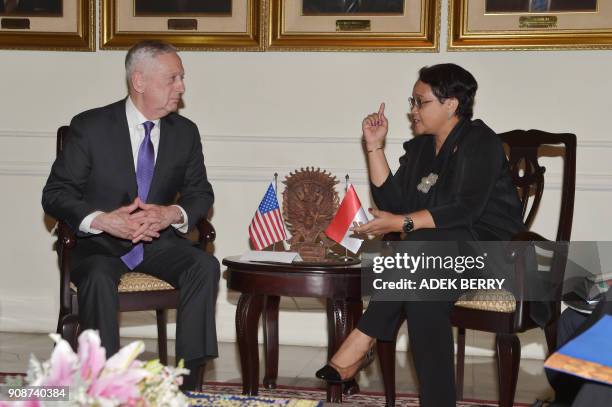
508,360
270,332
200,380
550,331
162,337
60,323
460,362
68,327
386,357
355,309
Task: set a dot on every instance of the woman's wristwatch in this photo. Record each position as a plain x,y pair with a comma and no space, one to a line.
408,225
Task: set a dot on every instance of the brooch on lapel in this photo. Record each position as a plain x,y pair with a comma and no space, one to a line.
427,182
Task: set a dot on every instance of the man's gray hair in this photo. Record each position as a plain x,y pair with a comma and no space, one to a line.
145,50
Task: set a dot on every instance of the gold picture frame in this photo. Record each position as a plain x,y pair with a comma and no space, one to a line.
478,25
415,27
239,30
68,26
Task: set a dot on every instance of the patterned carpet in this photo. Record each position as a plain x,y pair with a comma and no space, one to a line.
3,376
229,395
287,395
228,400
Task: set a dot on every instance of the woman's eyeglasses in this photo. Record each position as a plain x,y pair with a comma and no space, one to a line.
418,103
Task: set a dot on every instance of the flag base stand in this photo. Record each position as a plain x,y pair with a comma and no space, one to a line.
348,259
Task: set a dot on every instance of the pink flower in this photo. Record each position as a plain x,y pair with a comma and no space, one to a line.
121,386
122,360
62,365
119,379
91,354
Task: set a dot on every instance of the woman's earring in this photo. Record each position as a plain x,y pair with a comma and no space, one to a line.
450,114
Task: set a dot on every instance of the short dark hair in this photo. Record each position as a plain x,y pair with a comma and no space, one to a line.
451,81
145,50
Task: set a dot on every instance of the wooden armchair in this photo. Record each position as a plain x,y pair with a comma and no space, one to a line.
507,314
137,291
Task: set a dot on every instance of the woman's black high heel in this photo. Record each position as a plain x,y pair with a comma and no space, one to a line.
331,375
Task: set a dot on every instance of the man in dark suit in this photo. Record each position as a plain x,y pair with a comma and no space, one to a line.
494,6
29,7
115,184
353,6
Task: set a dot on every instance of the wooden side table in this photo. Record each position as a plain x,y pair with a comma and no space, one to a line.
262,284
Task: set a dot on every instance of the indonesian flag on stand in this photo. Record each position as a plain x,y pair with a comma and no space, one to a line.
350,211
267,226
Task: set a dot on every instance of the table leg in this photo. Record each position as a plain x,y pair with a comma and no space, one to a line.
341,319
270,331
355,309
247,319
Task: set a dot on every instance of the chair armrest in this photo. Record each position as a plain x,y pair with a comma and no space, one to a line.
519,242
207,233
554,246
516,251
66,240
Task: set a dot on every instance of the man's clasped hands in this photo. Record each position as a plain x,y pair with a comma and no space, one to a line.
137,221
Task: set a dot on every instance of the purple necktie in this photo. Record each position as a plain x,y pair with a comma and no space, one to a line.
144,175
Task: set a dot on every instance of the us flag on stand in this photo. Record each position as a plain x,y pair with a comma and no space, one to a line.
267,226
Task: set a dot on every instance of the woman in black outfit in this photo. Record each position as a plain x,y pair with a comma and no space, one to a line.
453,184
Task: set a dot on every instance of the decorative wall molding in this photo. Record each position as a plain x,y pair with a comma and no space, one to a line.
255,138
25,168
217,138
26,134
594,144
289,139
265,174
247,174
227,173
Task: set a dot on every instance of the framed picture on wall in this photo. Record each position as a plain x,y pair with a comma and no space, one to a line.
63,25
187,24
353,25
529,24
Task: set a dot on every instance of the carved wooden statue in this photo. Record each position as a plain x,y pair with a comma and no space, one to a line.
310,202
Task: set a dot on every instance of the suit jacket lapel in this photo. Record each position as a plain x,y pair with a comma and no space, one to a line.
125,158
